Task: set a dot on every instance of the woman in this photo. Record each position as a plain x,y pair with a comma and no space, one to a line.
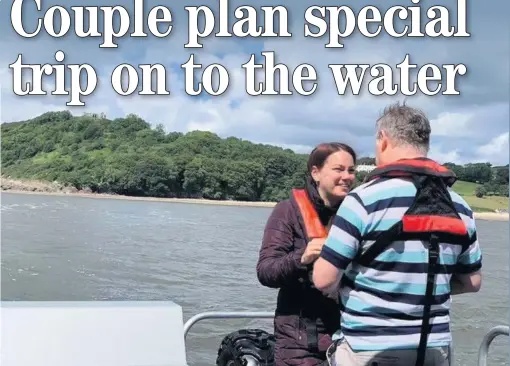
305,318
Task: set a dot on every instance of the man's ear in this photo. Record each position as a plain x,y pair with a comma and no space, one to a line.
384,140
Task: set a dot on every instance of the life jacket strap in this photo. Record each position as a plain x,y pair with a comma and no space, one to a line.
313,228
313,225
431,279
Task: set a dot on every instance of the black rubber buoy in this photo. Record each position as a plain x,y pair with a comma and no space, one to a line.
240,345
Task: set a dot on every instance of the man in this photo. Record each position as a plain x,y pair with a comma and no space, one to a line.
402,243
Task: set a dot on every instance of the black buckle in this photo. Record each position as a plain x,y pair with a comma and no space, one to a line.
434,248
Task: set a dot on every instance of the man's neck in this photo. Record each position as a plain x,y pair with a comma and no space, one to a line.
404,153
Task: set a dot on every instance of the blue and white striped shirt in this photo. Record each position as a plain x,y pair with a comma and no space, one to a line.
381,304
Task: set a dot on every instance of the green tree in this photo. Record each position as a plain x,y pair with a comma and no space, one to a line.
480,191
127,156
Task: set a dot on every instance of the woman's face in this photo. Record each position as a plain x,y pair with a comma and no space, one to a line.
337,175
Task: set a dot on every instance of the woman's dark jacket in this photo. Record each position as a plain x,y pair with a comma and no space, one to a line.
305,318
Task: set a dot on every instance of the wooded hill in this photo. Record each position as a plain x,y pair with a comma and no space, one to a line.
126,156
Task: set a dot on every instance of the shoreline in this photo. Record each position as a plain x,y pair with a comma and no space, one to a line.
201,201
487,216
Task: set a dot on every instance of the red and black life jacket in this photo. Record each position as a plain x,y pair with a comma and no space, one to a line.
432,218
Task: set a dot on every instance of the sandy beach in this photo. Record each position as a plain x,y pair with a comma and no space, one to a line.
54,189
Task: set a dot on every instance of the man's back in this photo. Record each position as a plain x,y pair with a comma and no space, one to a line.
382,304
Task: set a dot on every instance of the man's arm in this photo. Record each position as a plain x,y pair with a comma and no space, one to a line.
467,276
341,244
461,284
326,277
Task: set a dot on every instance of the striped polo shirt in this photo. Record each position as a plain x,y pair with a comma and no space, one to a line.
382,304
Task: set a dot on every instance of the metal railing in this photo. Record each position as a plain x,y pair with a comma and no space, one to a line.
250,361
226,315
487,340
482,353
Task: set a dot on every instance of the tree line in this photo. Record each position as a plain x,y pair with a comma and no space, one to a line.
126,156
493,180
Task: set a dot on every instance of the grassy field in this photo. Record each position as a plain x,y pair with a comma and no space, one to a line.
485,204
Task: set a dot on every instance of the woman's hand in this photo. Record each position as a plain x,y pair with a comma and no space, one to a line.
313,250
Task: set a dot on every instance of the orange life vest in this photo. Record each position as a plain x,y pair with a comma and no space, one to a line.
313,225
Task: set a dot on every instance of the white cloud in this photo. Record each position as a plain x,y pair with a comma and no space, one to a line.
300,149
447,124
495,150
442,156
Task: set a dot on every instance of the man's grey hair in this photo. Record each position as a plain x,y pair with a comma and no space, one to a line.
405,126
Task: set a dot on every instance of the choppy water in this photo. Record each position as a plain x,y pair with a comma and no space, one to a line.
202,257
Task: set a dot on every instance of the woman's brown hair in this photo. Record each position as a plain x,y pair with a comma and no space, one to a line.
322,151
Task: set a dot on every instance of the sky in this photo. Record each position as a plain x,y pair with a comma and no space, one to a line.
470,127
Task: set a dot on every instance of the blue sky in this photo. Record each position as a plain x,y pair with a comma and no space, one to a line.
471,127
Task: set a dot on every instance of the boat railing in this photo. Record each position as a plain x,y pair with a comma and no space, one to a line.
226,315
483,352
248,361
